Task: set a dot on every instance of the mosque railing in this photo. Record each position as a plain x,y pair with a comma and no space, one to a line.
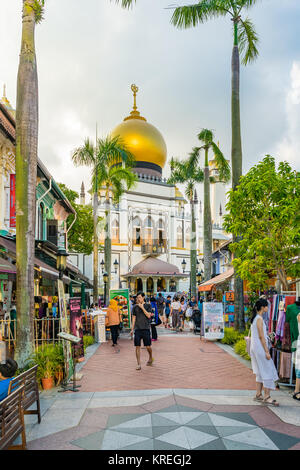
153,248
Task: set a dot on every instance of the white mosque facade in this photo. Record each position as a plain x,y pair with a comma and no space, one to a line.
151,226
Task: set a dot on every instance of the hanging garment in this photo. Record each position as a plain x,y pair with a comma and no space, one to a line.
289,300
280,325
285,365
286,340
263,368
292,312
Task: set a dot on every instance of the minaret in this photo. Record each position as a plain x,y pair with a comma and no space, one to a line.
6,103
82,195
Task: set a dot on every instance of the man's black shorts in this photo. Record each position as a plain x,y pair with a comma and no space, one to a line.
142,335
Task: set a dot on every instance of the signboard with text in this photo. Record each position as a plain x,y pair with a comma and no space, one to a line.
12,201
64,325
213,320
122,297
76,327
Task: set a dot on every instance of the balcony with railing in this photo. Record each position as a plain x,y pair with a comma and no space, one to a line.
155,247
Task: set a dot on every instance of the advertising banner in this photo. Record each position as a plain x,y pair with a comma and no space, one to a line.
64,325
12,202
213,320
100,331
76,327
122,297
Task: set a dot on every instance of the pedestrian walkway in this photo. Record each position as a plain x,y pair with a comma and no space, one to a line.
195,396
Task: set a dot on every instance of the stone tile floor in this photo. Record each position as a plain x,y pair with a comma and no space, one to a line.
121,408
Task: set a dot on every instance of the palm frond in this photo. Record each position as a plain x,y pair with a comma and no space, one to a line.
85,155
38,7
199,176
191,15
248,40
112,150
189,190
222,164
246,3
125,3
206,136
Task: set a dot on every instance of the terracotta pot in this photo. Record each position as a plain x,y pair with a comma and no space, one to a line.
47,383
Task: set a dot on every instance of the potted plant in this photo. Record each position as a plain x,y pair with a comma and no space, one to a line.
43,356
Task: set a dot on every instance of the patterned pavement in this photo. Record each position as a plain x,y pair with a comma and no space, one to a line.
195,396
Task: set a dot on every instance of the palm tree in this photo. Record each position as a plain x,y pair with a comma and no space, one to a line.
111,164
26,172
188,173
207,137
244,41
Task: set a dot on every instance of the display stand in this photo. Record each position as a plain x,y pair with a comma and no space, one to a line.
290,383
73,340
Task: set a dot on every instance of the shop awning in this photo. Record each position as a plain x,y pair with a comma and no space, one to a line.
208,285
7,267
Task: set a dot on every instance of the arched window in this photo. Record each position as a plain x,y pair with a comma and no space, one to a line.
115,232
179,235
136,231
161,232
148,231
40,234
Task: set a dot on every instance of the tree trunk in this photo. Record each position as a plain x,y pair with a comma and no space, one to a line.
207,225
236,165
95,250
283,279
107,248
26,176
193,251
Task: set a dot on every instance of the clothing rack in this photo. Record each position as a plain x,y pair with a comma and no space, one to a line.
290,383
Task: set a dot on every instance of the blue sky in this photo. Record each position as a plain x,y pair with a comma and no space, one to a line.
89,55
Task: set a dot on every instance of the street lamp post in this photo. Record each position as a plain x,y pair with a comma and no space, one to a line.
61,262
199,279
105,279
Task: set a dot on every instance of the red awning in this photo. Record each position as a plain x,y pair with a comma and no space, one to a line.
208,285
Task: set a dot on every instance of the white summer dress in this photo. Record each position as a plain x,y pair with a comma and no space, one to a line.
263,368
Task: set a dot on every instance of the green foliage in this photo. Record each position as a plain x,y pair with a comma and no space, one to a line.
88,340
189,16
264,212
50,360
231,336
38,7
80,237
240,348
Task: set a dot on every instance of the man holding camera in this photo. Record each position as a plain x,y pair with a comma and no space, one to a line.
141,314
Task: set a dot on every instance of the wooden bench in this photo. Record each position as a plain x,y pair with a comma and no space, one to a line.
31,391
12,420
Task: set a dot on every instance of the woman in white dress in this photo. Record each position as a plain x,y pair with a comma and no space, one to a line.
262,364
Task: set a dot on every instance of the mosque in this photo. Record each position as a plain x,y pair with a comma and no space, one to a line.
150,227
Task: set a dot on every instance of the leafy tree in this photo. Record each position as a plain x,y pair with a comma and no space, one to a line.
264,210
188,173
80,236
206,136
111,164
245,41
26,172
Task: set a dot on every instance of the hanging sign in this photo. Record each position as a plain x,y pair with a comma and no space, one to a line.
229,296
76,327
12,201
213,320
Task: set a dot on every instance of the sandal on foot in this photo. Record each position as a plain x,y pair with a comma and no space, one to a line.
258,398
138,367
269,401
149,363
295,396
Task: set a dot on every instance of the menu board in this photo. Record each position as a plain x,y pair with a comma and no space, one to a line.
122,297
213,320
64,325
76,327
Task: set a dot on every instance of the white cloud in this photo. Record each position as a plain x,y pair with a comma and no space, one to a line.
288,148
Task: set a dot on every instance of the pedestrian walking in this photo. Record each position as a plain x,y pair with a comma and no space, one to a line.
141,314
175,313
182,313
167,311
160,304
154,319
113,320
262,364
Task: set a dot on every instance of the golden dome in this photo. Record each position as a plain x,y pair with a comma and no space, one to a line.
142,139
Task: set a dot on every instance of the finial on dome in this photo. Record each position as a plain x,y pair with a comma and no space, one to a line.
135,114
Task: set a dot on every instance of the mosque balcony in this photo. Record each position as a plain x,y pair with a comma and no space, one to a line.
154,248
